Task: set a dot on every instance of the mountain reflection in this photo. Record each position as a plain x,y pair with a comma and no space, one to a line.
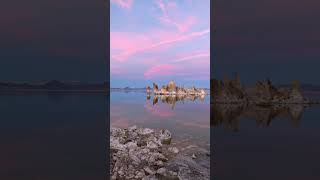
229,115
172,99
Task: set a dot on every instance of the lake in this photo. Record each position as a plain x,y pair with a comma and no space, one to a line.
266,143
53,136
187,118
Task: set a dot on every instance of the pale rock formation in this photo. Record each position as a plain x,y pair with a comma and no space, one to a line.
143,153
148,90
173,89
155,89
172,86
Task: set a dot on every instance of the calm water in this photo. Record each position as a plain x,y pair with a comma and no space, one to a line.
260,143
53,136
187,119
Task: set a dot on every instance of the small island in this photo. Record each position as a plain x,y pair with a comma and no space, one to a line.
172,89
262,93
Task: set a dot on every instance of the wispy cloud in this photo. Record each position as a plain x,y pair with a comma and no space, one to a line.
172,17
127,4
160,70
123,56
160,40
192,56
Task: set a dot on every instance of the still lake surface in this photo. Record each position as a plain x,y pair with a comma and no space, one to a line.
53,136
56,136
259,145
63,135
187,119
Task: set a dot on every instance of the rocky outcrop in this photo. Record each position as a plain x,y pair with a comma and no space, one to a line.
155,88
143,153
228,92
262,93
148,90
172,89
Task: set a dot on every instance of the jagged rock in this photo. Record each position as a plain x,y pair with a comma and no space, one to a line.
155,88
148,90
165,136
228,91
149,171
172,86
173,89
263,93
193,156
162,171
140,174
139,153
188,168
173,150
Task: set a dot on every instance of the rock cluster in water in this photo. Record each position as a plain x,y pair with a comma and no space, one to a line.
263,93
171,89
143,153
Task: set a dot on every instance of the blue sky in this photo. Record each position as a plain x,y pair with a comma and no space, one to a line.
158,41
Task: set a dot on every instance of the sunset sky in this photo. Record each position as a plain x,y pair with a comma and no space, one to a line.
158,41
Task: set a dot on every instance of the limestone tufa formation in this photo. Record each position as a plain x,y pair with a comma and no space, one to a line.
173,89
262,93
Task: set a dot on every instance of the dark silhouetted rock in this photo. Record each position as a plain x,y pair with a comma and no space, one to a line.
262,93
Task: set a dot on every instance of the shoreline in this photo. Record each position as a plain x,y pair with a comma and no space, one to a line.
6,91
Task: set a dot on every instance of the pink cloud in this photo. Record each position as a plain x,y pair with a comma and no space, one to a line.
147,44
128,40
171,16
160,70
198,65
198,56
126,4
192,56
182,26
116,70
161,5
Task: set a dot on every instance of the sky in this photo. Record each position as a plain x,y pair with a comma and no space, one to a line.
47,40
259,39
158,41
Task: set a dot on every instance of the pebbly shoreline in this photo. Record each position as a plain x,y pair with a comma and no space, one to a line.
143,153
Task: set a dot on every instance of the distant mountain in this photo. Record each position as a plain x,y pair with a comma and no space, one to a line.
53,85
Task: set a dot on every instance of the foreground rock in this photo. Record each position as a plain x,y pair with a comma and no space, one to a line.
143,153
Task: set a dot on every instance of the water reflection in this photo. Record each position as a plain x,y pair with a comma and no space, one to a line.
172,99
229,115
